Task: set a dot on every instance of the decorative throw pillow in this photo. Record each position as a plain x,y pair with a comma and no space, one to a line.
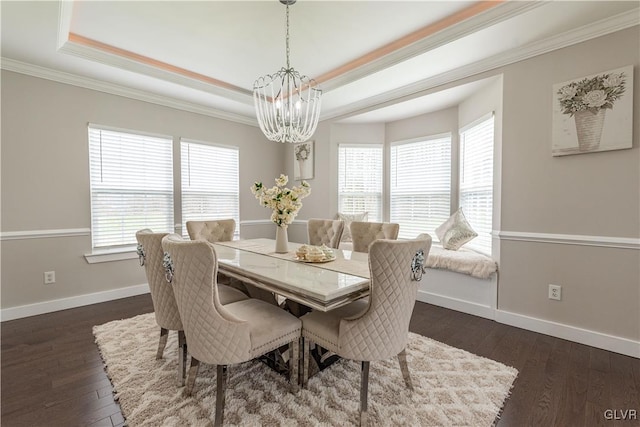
455,231
347,218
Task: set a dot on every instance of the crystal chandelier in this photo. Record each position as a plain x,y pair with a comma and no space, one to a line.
287,104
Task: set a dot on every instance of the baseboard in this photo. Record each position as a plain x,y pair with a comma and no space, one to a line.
456,304
583,336
19,312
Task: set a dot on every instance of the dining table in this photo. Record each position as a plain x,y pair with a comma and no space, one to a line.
323,286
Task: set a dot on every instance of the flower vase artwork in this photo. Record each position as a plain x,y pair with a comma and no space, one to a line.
586,101
285,203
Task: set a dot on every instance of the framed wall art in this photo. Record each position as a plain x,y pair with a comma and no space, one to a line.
303,160
593,113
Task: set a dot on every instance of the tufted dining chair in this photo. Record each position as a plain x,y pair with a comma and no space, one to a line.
218,230
325,232
221,230
223,335
363,233
164,302
376,328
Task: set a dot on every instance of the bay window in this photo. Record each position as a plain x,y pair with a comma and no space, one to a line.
476,180
420,184
360,180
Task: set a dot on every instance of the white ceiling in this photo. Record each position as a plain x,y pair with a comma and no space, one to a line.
375,60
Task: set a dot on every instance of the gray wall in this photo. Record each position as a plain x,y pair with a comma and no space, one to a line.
595,194
45,180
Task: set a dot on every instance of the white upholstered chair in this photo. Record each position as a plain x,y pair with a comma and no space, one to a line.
376,328
325,232
363,233
164,302
221,230
218,230
223,335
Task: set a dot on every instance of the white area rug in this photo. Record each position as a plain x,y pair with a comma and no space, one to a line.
452,387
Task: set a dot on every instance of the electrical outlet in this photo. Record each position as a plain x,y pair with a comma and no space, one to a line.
49,277
555,292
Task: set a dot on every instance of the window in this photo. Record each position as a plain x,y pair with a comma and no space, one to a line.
131,179
210,188
476,180
420,184
360,180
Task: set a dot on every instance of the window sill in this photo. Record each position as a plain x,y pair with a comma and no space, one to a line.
111,255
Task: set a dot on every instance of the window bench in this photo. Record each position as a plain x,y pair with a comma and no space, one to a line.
462,280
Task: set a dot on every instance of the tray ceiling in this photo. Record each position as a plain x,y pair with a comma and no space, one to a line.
367,55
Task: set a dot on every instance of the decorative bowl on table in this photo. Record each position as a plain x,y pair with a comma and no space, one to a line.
302,252
315,254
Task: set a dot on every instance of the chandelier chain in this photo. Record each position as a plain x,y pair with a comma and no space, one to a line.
287,38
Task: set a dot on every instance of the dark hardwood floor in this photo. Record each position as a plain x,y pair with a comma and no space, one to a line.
52,373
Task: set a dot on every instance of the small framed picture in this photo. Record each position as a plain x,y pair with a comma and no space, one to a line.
303,160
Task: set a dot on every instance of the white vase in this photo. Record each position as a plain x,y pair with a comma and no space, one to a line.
282,240
589,129
301,171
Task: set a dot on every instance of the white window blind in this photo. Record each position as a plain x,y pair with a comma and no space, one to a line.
210,183
420,185
131,179
360,180
476,180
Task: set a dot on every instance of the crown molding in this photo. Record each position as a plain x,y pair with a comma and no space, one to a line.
485,19
157,71
603,27
114,89
65,13
587,32
82,47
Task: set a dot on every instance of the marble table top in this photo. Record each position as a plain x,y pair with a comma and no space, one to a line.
323,286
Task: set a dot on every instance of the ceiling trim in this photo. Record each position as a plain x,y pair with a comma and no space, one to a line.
65,13
480,15
454,27
85,41
84,47
94,51
397,46
606,26
114,89
603,27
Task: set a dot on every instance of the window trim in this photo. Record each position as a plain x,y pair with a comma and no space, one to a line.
477,121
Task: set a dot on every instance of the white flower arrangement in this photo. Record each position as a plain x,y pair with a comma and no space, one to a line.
302,151
284,202
591,94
